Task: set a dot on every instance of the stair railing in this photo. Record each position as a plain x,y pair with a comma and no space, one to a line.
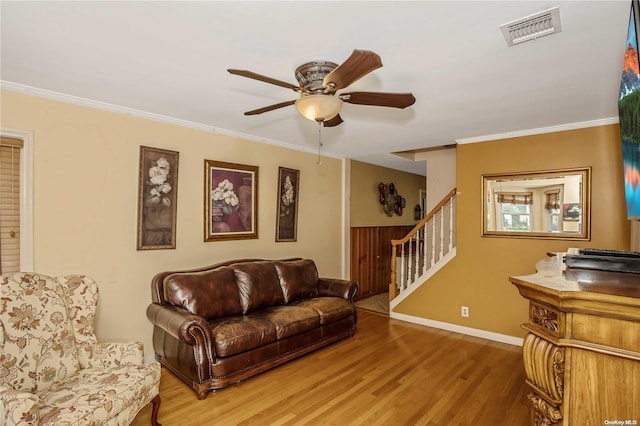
424,246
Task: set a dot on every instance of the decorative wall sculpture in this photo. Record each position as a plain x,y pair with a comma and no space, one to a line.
391,201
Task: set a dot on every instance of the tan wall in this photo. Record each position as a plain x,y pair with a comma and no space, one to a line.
85,203
441,174
365,208
478,276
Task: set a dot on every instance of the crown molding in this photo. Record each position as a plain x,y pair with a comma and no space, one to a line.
540,130
76,100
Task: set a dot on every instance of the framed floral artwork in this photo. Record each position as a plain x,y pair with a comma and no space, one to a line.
571,211
157,198
287,214
231,201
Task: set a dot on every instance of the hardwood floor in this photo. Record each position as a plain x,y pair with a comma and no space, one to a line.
390,373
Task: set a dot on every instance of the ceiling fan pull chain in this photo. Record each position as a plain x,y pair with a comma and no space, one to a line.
320,121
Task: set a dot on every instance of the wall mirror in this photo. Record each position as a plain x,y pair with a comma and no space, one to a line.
553,204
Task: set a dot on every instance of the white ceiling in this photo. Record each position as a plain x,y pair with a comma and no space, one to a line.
169,60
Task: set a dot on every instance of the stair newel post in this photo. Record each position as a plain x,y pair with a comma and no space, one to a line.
393,288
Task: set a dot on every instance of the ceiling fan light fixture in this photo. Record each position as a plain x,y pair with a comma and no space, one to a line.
319,107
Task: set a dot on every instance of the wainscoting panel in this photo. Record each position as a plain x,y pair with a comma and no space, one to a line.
371,256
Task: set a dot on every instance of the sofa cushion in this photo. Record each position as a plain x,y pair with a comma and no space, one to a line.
258,285
290,320
39,347
298,279
330,309
241,333
98,396
210,294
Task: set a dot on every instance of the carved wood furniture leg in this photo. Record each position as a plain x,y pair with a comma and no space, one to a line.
545,414
544,368
154,410
202,390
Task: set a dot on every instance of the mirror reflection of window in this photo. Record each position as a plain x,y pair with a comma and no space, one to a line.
537,204
515,210
516,217
553,209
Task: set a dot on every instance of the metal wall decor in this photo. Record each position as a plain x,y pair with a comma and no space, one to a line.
391,201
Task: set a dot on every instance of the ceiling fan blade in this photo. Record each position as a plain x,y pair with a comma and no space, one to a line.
260,77
395,100
270,108
359,64
333,122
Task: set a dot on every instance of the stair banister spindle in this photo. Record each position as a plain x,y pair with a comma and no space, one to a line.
409,263
433,242
423,231
416,270
451,225
402,280
424,248
441,233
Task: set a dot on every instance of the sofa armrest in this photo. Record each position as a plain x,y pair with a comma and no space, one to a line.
110,354
181,324
338,288
18,408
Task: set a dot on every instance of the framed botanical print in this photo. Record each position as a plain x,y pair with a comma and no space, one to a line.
287,214
157,198
231,201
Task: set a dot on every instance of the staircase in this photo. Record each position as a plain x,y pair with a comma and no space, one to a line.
424,250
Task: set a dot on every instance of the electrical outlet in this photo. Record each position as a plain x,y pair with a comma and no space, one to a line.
464,311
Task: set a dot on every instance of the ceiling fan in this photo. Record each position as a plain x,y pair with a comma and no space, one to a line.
319,82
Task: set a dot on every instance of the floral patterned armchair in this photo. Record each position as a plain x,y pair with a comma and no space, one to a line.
52,369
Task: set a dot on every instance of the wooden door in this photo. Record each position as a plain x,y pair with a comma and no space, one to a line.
371,257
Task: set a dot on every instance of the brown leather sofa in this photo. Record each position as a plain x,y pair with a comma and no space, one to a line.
220,324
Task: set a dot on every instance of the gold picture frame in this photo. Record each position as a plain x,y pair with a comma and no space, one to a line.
231,201
537,215
157,198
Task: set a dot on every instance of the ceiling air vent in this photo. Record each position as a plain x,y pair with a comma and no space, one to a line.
532,27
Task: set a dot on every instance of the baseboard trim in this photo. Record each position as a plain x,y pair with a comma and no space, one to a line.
489,335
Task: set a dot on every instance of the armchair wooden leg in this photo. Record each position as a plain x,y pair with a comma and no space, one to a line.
154,410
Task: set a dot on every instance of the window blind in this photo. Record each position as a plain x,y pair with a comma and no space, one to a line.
10,204
552,201
515,197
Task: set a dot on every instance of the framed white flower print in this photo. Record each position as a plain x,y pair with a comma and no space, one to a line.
287,214
231,201
157,198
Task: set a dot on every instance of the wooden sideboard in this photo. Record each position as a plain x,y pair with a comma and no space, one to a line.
582,351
